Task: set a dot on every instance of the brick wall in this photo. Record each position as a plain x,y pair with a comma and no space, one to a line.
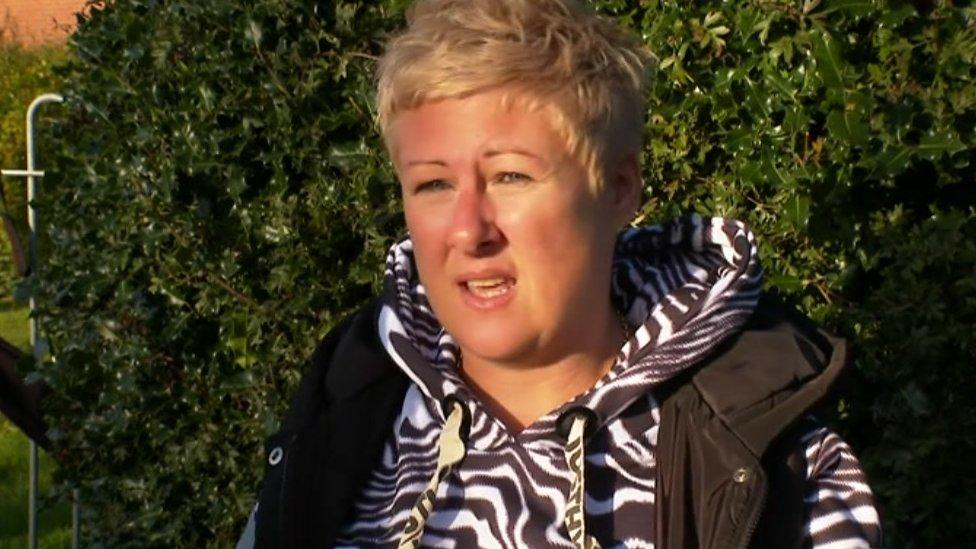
38,21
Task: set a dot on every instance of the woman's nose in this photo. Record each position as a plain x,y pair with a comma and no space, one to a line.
473,229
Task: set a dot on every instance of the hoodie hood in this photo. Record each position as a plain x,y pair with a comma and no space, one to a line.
682,286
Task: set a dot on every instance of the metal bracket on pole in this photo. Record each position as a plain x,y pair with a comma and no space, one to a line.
22,173
31,173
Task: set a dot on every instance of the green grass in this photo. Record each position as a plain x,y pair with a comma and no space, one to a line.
54,520
13,324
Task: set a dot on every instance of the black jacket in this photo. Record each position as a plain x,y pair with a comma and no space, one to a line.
729,469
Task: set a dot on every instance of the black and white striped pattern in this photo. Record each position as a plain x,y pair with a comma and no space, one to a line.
839,500
684,286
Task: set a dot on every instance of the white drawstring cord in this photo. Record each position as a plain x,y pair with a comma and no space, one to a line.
450,452
576,506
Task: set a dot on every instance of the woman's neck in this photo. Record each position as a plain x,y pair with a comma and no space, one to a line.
520,393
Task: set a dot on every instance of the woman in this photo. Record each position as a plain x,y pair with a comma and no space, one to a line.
532,376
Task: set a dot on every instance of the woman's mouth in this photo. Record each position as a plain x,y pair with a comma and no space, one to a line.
488,292
490,287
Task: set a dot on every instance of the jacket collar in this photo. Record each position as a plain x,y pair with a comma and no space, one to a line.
359,359
754,380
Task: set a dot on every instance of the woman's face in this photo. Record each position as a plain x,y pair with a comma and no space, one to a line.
511,244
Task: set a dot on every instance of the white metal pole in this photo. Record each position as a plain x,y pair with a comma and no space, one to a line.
35,344
75,520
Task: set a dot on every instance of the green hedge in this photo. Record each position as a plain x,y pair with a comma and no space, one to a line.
222,199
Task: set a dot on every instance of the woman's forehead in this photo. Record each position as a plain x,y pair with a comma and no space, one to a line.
482,125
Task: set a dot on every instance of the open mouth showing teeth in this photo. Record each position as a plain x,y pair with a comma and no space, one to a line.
489,287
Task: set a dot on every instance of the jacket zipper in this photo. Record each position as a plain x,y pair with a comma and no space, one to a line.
756,515
281,491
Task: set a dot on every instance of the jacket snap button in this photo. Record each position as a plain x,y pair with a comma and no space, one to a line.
741,475
274,458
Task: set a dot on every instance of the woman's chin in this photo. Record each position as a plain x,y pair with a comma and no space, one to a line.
499,342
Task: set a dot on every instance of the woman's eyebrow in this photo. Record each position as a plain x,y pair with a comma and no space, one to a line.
425,162
512,150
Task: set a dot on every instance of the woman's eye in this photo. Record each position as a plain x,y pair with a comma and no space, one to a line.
512,177
432,185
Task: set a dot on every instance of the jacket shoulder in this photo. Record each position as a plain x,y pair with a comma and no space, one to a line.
331,436
728,432
347,359
771,373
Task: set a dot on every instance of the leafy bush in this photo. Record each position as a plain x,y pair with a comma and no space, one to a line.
221,202
222,199
24,74
844,132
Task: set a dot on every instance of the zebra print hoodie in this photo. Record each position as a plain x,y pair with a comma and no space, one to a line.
683,287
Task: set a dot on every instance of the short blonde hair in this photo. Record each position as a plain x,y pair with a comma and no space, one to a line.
588,71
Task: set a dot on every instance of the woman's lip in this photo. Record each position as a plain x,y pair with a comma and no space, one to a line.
483,274
485,303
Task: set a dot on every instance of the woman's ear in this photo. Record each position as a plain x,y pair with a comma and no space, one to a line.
625,185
